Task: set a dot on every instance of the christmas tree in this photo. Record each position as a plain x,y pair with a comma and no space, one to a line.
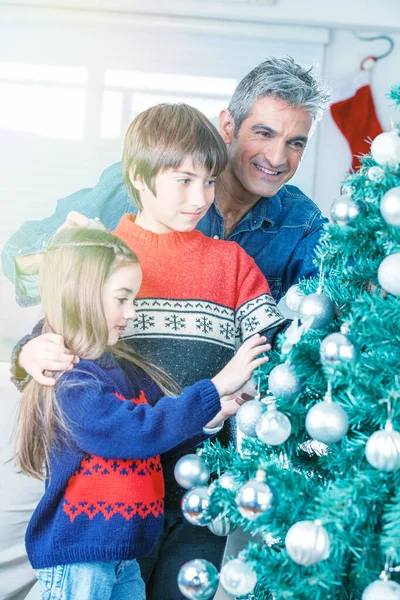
316,482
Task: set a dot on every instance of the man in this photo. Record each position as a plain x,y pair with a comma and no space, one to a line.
270,118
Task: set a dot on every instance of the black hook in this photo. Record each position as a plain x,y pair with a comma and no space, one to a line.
378,37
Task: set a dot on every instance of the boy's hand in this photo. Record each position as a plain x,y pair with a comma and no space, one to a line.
240,368
46,353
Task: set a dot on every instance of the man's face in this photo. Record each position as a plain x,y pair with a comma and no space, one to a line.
268,148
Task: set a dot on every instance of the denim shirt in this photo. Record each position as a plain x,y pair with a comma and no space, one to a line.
280,232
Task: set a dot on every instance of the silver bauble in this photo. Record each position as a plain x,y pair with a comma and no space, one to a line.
274,427
337,349
254,499
390,207
319,307
190,471
386,148
389,274
307,543
344,210
284,383
237,577
375,174
382,590
221,526
382,450
327,422
198,579
294,297
247,417
194,505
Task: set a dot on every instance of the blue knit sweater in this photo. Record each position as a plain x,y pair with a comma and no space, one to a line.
104,498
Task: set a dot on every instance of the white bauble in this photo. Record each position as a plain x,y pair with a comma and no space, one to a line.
386,148
307,543
382,450
390,207
389,274
221,526
248,415
284,383
274,427
238,578
294,297
382,590
327,422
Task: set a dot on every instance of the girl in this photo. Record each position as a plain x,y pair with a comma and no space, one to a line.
97,435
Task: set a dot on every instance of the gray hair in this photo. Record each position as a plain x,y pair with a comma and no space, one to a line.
283,79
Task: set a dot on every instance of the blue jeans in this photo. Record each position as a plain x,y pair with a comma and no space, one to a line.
114,580
179,542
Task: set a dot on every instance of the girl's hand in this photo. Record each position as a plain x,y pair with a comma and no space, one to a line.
240,368
46,353
229,407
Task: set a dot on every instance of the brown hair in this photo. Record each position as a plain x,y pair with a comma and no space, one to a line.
161,137
72,275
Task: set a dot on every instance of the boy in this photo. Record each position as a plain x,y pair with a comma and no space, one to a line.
200,298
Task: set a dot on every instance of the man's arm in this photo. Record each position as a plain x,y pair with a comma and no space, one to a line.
21,254
301,264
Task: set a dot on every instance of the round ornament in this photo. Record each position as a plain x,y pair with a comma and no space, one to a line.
221,526
382,450
274,427
389,274
344,210
318,307
294,297
375,174
337,349
382,590
191,471
307,543
327,422
238,578
255,498
247,417
198,579
390,207
386,148
284,383
194,504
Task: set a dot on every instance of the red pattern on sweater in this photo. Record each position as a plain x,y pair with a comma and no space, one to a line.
116,486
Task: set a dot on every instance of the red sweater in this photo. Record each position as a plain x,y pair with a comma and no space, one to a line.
200,299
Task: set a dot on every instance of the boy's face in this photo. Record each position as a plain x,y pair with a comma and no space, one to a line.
182,198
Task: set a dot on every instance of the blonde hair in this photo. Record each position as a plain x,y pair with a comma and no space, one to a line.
161,137
72,276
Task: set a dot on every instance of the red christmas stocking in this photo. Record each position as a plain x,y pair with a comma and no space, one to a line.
353,111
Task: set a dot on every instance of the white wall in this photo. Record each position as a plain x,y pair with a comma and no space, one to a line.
342,59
